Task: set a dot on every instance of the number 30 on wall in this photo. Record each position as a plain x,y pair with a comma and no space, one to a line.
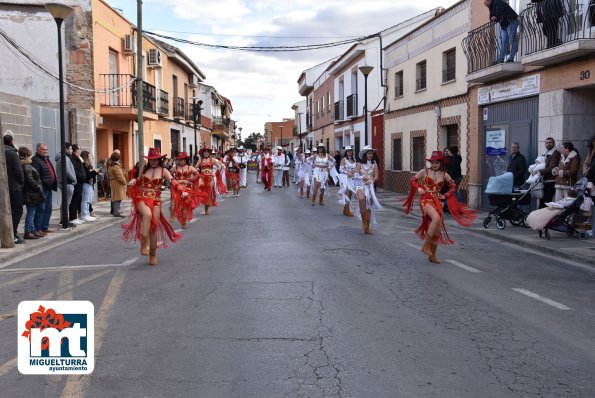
584,74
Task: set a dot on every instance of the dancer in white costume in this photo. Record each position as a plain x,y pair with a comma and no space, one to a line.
366,174
346,178
305,175
323,165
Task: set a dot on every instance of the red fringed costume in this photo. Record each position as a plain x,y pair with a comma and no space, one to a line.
266,169
233,173
205,184
187,177
148,190
460,213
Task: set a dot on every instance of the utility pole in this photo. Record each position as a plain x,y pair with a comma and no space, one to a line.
6,234
139,82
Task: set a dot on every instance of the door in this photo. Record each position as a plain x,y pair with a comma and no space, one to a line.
113,79
175,141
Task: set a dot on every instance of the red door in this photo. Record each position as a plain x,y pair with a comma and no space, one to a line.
378,142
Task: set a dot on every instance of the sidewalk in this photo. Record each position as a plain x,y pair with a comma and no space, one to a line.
559,245
59,237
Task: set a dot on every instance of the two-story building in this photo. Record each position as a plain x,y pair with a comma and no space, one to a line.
426,105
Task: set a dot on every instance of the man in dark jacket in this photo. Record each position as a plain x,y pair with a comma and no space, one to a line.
517,165
16,180
552,159
509,21
77,197
41,162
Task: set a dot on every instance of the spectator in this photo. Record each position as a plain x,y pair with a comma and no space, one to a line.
567,171
552,159
16,180
47,174
453,167
117,183
74,209
502,13
32,193
589,172
103,182
88,184
337,160
70,176
286,166
548,12
517,165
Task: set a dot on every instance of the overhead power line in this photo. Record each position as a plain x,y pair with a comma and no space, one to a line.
304,47
257,36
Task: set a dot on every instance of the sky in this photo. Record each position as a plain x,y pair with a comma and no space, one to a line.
263,86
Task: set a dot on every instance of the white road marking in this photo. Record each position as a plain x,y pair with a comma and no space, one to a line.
412,245
70,267
463,266
545,300
193,220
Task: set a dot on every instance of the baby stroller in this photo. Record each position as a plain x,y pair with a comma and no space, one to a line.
562,222
501,194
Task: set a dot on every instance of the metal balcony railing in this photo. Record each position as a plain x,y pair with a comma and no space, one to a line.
551,23
339,110
122,92
482,46
352,105
163,107
179,107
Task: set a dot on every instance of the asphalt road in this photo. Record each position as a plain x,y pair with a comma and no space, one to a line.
270,297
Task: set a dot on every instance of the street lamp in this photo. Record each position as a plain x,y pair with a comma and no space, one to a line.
60,12
196,118
281,127
240,135
366,70
299,115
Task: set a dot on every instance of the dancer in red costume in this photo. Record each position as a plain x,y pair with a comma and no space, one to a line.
266,168
147,222
233,172
186,176
207,167
428,183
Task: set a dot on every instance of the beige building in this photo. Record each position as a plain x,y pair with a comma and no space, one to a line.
426,105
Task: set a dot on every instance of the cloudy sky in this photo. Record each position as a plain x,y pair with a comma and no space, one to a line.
263,86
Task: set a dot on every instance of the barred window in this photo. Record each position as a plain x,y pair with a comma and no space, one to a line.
397,154
419,149
398,84
420,78
449,65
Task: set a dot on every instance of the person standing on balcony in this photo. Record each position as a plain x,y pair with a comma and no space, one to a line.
508,19
548,12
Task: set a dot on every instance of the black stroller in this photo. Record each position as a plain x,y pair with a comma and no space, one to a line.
562,222
507,201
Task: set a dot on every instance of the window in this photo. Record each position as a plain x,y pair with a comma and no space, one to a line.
452,135
157,144
449,65
397,154
418,148
328,101
317,108
323,107
420,76
399,84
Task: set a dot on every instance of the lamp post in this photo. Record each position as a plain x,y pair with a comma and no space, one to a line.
366,70
196,117
240,135
299,115
60,12
281,141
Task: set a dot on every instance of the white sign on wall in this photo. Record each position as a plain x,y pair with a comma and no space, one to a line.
522,87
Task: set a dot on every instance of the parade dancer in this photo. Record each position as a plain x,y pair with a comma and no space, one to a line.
298,163
266,168
366,175
305,174
186,176
233,173
346,179
428,183
147,222
278,162
206,167
322,165
242,161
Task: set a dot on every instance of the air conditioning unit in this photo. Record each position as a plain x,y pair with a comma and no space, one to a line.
129,44
192,80
154,58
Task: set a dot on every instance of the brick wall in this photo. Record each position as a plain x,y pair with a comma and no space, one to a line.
15,115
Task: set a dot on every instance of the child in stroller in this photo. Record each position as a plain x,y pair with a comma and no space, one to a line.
535,168
559,215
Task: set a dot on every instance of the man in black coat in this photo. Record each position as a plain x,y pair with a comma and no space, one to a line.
16,180
502,13
517,165
77,197
552,159
41,162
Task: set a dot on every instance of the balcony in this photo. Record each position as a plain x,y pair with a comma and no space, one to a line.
179,108
339,111
352,105
119,98
163,103
482,46
568,32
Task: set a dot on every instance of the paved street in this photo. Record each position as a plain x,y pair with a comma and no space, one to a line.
270,297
